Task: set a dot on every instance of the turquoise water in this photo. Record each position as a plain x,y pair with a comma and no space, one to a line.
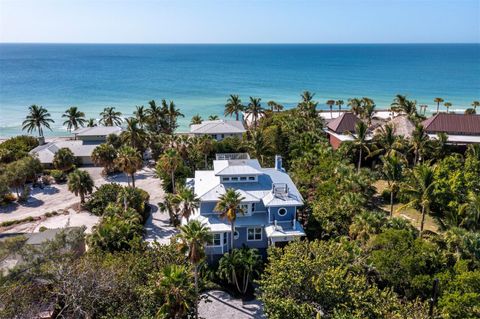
200,77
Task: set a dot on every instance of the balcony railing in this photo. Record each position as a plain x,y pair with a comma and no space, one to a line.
232,156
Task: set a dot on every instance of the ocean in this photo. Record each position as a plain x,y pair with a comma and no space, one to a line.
199,78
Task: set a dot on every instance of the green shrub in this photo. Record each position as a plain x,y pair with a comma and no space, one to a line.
103,196
58,175
42,229
16,147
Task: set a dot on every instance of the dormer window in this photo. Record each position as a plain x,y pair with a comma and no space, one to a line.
243,178
251,178
234,179
225,179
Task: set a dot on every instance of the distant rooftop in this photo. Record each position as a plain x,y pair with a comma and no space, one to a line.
232,156
218,127
46,152
454,124
344,123
97,131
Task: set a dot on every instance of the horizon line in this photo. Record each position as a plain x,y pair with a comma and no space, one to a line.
243,43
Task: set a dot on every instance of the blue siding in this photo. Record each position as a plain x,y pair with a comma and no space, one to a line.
242,239
275,216
207,207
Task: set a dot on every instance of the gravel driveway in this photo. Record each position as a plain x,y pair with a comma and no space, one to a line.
220,305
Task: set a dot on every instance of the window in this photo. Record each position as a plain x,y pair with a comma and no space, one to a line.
225,179
223,135
253,207
234,178
254,233
243,178
236,234
282,211
251,178
243,208
216,240
224,239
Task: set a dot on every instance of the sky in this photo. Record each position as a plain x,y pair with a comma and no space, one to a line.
240,21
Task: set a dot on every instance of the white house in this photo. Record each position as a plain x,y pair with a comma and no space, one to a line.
218,129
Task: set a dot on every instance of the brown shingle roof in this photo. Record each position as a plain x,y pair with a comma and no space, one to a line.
455,124
343,123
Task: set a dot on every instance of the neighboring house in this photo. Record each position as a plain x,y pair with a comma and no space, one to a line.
218,129
96,133
338,129
402,126
270,203
461,129
86,139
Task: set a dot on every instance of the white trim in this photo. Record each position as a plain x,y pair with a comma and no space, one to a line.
283,209
213,240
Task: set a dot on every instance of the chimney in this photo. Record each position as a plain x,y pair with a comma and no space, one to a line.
278,163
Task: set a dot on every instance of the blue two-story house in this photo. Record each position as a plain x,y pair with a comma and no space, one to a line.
270,203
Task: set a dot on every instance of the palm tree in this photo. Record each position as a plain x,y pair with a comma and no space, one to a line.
105,155
366,224
360,140
339,103
438,100
475,104
205,146
257,145
229,207
403,105
193,238
470,212
172,114
187,201
386,141
420,188
234,106
155,117
368,110
196,119
175,286
307,106
91,122
134,135
393,171
169,162
171,205
141,115
424,107
447,105
213,117
330,104
80,183
110,117
129,161
255,110
274,106
239,266
64,159
37,118
419,141
356,106
74,117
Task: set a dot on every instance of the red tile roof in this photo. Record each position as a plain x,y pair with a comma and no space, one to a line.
454,124
343,123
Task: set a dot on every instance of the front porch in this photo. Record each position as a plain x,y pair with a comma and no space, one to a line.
283,232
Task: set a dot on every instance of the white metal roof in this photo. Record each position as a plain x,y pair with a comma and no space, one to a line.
218,127
284,229
460,139
208,187
236,167
97,131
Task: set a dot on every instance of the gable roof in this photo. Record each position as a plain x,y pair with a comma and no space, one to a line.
46,152
218,127
343,123
236,167
460,124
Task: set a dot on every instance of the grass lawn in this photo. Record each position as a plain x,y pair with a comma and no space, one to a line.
411,214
